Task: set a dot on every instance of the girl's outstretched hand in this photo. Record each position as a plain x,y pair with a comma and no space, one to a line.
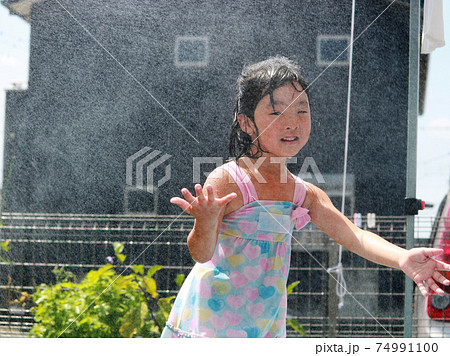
203,207
421,267
208,212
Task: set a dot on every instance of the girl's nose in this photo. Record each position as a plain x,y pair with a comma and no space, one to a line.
290,121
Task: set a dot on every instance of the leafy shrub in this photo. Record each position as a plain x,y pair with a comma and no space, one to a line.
106,304
103,304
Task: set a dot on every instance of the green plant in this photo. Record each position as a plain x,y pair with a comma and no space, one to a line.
4,249
19,303
294,324
106,304
103,304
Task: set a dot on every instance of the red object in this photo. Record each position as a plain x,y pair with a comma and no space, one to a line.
444,243
445,237
422,205
438,314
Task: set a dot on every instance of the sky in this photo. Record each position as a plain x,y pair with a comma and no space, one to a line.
14,55
433,157
433,142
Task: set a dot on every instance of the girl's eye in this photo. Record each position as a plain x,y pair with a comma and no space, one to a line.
276,113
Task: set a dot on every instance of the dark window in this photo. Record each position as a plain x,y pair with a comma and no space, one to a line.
332,50
191,51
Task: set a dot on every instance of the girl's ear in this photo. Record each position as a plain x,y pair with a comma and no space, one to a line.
246,124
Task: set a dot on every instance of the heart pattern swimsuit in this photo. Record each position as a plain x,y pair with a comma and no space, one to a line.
241,291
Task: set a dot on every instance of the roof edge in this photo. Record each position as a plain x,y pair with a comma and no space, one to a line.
20,8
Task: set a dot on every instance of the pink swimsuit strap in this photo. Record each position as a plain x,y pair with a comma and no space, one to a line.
243,181
300,191
248,190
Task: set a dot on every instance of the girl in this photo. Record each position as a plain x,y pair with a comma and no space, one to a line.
246,212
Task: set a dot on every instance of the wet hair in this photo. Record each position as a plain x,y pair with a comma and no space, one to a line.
255,82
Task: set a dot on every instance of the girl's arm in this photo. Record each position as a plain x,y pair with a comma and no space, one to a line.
418,264
208,212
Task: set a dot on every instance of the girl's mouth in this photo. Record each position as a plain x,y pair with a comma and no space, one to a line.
289,139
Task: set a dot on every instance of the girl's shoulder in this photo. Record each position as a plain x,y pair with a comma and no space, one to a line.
223,184
316,199
221,179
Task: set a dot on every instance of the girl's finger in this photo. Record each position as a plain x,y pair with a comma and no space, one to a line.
227,198
431,252
210,191
187,194
443,265
183,204
440,278
199,191
422,288
432,284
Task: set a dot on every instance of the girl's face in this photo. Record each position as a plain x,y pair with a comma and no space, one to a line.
285,126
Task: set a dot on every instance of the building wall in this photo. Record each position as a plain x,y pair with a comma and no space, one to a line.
84,115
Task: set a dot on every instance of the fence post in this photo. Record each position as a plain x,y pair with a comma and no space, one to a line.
411,155
333,300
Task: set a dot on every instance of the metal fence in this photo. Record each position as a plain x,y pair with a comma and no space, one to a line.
79,243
